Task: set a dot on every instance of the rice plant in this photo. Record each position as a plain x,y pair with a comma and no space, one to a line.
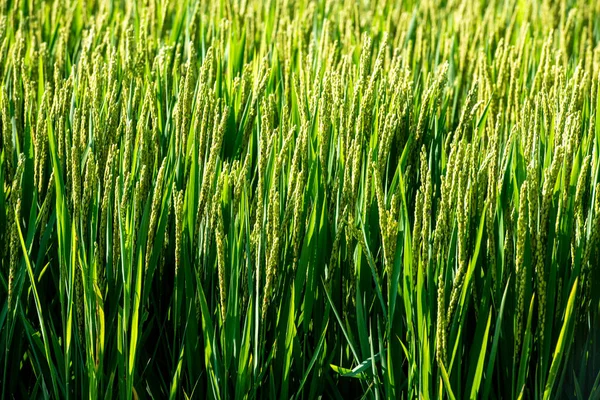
299,199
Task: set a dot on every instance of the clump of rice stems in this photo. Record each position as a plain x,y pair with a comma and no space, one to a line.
179,220
41,145
468,113
14,219
108,183
388,130
492,191
7,136
442,223
286,161
273,253
433,92
580,192
217,217
540,269
89,190
520,267
140,193
441,328
75,169
591,243
416,238
157,197
45,210
462,210
297,217
325,125
79,300
220,121
387,223
427,207
420,239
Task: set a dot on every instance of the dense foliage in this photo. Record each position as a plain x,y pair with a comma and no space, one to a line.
299,199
